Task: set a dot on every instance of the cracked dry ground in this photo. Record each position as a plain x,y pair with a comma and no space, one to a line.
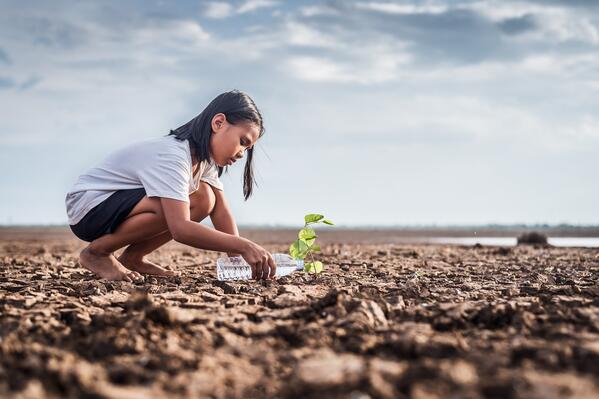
383,321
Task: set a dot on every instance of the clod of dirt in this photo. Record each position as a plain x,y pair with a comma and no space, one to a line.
459,372
364,315
288,295
326,370
139,301
161,315
225,375
383,375
503,251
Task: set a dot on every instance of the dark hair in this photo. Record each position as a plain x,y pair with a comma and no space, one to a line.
238,107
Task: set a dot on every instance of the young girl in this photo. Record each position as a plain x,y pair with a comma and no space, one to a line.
149,193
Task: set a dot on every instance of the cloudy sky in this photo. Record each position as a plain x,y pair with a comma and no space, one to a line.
377,113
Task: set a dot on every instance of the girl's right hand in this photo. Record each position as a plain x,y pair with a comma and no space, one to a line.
261,261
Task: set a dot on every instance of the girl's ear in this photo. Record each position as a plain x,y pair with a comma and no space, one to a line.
218,121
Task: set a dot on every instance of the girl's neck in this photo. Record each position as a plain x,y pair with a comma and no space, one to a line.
195,164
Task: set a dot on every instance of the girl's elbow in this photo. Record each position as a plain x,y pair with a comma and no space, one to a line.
179,234
178,237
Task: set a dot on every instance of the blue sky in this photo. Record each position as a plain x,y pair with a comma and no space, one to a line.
376,113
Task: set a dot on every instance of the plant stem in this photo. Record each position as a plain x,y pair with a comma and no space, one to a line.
313,262
310,253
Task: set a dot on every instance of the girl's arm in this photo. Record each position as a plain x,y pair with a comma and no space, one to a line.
222,217
186,231
194,234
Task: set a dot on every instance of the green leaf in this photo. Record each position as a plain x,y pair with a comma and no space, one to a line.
307,235
313,267
327,221
315,248
299,249
312,218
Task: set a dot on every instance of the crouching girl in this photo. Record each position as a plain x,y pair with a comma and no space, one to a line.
151,192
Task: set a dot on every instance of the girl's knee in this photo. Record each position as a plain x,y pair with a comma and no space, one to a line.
202,201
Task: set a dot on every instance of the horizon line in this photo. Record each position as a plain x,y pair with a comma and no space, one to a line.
378,226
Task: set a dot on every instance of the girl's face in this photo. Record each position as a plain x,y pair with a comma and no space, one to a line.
229,142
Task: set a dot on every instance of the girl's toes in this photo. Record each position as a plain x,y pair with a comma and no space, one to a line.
135,277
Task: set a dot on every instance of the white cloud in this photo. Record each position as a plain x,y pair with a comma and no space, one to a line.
574,28
543,63
189,31
498,10
346,60
253,5
218,9
554,22
587,128
184,32
395,8
319,70
315,10
299,34
378,69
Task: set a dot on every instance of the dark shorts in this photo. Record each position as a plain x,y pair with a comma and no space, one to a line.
105,217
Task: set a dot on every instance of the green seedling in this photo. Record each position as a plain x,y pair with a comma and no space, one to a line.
305,245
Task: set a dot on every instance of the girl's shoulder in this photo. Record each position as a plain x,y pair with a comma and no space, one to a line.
164,144
153,150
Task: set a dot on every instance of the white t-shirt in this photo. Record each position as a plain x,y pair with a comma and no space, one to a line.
161,166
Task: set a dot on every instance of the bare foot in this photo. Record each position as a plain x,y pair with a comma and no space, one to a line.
106,266
139,264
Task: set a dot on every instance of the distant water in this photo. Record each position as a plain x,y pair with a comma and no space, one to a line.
592,242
